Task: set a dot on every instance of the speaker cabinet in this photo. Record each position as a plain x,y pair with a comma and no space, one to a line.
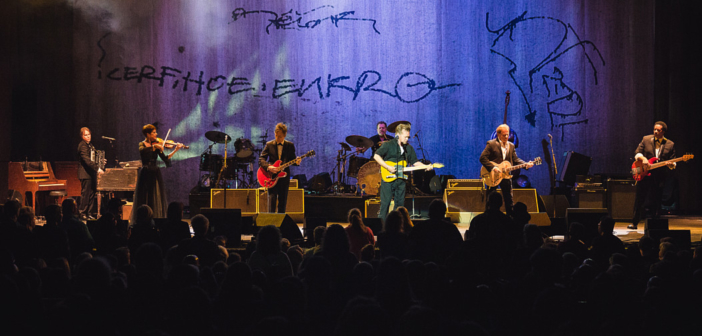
244,199
474,199
591,199
288,227
589,218
621,195
574,164
555,205
656,224
296,201
224,222
373,207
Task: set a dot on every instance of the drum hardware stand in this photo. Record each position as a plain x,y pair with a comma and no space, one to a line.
338,186
224,167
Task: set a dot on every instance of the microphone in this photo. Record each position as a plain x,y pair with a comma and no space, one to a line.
416,135
108,138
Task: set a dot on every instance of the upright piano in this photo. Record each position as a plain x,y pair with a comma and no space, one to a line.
33,176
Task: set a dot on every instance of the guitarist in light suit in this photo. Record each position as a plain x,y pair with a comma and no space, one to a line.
497,151
396,150
650,189
278,149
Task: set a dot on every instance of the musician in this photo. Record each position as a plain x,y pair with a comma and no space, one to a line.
649,191
150,189
396,150
283,150
88,170
496,151
378,139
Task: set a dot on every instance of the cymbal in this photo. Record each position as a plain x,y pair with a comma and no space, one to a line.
217,136
393,126
359,141
344,146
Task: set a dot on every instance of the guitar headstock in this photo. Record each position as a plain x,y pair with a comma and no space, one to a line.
688,157
537,161
309,154
437,165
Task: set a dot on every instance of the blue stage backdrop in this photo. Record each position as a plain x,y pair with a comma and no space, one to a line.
578,70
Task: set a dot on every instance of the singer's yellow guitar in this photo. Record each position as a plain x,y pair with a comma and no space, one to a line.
401,167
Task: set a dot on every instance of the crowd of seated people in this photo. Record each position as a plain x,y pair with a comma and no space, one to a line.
503,278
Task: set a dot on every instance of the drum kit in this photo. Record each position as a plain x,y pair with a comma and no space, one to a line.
229,172
367,171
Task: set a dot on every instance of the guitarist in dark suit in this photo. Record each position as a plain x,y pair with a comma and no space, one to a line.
649,191
87,174
396,150
278,149
497,151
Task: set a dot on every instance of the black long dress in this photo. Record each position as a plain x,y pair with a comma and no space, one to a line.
150,189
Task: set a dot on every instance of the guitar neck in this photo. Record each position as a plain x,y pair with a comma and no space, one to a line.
516,167
290,163
663,163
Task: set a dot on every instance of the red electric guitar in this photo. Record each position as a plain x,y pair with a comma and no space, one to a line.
639,171
268,180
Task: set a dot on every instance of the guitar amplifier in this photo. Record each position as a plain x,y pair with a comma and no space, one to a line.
464,183
373,208
295,207
244,199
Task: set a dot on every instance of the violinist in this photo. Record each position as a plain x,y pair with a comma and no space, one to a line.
150,189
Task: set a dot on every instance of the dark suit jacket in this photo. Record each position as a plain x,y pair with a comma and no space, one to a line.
492,152
648,149
87,169
269,155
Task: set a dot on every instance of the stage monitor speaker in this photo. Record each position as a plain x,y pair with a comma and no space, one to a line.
591,199
573,165
320,182
656,224
224,222
681,238
375,224
589,218
312,223
301,180
296,201
621,195
288,227
555,205
244,199
474,199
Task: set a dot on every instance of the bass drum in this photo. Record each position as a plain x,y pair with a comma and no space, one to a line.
244,150
369,178
355,164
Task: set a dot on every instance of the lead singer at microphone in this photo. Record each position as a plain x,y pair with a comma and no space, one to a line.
88,171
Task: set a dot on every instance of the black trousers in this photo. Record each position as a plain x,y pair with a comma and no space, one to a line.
389,191
506,186
649,195
279,194
87,197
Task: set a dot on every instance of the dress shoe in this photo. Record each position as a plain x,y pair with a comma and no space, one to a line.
91,217
632,227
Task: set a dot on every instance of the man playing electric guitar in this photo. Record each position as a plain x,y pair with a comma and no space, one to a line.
496,151
396,150
278,149
649,190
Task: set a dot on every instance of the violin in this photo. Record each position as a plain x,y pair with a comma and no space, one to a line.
168,143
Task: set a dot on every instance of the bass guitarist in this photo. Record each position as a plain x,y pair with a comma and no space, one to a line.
650,189
395,151
278,149
496,151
